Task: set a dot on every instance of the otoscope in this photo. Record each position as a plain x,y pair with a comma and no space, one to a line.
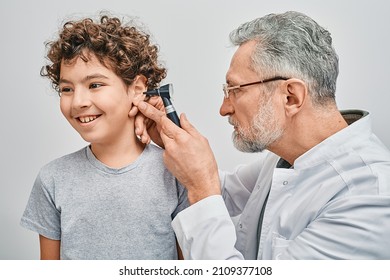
164,91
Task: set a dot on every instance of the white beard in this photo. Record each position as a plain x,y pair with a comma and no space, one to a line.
264,130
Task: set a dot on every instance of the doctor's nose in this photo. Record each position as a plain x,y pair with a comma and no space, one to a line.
226,107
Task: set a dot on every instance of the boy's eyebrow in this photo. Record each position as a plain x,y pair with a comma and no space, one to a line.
94,76
86,78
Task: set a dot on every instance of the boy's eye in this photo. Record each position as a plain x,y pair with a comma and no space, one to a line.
65,90
95,85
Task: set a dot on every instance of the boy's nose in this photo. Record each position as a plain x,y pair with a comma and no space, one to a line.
81,99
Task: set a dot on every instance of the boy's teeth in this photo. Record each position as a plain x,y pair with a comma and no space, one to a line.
87,119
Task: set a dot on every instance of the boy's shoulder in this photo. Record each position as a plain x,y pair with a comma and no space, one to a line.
154,149
153,154
65,162
79,161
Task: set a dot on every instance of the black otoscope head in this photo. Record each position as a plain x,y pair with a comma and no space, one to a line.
165,92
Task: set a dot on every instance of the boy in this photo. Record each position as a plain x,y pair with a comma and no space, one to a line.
113,199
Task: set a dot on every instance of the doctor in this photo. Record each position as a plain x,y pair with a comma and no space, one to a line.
320,188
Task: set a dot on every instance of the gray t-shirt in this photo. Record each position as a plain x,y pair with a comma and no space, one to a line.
100,212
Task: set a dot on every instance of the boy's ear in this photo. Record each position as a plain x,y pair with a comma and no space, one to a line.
139,85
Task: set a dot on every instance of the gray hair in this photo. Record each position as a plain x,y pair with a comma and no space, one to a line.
292,45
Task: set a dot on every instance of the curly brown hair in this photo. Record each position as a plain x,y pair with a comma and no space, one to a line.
123,48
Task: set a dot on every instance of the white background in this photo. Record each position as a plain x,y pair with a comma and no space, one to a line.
193,40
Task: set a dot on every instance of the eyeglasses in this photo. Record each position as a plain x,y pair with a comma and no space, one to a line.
226,87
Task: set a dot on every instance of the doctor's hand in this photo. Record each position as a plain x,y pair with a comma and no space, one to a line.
188,155
145,128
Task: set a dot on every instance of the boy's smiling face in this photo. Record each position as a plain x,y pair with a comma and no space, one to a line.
95,101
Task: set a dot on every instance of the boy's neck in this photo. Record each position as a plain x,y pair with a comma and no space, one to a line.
119,154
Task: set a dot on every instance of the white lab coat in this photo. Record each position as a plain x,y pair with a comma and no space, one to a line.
333,204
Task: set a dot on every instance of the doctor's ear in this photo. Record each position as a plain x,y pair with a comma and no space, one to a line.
296,94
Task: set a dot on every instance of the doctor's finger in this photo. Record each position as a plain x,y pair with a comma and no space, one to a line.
150,111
